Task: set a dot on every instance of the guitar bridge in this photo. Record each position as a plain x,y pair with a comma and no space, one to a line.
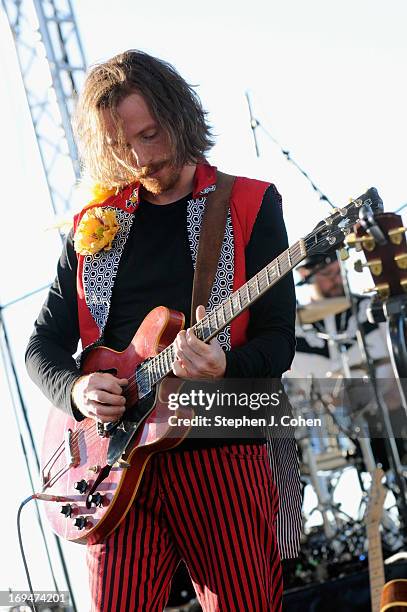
72,458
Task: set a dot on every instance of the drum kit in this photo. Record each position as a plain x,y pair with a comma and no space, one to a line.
340,448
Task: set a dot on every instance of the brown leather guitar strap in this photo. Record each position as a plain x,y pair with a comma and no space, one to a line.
210,240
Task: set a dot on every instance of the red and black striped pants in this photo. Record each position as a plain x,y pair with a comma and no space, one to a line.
215,508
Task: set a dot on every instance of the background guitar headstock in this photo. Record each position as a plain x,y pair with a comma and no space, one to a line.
377,495
387,263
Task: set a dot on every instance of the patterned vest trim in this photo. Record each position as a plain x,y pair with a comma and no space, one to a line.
96,273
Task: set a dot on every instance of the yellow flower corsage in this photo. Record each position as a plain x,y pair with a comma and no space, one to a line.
96,231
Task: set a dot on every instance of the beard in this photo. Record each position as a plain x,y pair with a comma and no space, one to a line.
336,290
168,178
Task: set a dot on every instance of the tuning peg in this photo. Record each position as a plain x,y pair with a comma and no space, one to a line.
351,239
401,261
366,242
352,242
359,265
403,284
375,266
343,254
383,290
396,234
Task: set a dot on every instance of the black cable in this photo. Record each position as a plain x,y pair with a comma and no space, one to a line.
27,463
20,541
402,207
288,157
254,124
35,453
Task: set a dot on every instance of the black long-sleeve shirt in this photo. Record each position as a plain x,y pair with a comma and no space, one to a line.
156,269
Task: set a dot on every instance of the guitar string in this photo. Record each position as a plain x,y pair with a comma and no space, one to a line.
152,368
262,275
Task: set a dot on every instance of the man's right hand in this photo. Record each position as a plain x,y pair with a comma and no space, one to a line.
100,396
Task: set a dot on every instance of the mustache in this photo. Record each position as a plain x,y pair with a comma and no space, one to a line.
145,171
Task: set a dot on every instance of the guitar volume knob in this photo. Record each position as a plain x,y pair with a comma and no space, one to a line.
80,522
96,499
81,486
66,510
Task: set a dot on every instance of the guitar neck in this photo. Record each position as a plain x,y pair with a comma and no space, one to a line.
206,329
376,571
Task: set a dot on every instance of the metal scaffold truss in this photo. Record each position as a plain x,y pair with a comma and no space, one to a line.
52,66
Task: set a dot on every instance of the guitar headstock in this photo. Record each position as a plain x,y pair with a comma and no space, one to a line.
331,232
387,262
377,495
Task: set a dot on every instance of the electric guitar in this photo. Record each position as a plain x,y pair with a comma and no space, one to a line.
91,472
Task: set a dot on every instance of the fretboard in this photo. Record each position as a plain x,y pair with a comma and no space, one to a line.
376,571
156,368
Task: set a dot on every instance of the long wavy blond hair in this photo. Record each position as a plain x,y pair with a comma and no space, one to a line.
172,102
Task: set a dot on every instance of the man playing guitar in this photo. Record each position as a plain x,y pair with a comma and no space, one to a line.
214,503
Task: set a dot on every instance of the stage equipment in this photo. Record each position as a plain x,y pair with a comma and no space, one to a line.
382,240
53,68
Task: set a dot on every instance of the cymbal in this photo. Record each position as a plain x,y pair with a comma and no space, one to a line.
315,311
361,365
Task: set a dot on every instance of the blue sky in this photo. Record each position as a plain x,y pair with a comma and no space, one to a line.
327,79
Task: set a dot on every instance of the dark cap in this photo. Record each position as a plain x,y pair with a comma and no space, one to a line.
315,263
321,260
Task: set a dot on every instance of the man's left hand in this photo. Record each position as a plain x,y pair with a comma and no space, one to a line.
194,358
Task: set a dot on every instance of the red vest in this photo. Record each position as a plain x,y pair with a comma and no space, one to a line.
246,199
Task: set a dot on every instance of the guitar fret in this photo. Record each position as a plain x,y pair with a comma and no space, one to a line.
206,327
155,365
235,300
222,314
257,283
199,330
166,362
263,282
278,267
213,325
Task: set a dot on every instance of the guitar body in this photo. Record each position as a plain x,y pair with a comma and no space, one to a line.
76,452
394,596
